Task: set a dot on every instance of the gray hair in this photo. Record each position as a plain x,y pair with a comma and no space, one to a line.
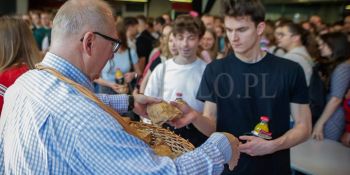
76,15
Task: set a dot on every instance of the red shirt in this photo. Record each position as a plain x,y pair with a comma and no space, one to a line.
8,77
347,114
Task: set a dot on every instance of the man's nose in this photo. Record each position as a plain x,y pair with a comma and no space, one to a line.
235,36
185,42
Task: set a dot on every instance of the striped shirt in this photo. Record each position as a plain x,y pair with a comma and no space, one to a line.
340,83
48,127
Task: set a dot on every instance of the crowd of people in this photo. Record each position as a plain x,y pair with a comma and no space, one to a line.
230,71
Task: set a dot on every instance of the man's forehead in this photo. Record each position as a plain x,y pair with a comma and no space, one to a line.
239,18
186,33
237,21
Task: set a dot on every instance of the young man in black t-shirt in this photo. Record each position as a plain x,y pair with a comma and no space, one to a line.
250,83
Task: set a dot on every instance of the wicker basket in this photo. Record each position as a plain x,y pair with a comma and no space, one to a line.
177,144
156,137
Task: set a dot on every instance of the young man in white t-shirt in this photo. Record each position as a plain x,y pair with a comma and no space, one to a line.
183,73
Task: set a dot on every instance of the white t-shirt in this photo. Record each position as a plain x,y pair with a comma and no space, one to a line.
178,78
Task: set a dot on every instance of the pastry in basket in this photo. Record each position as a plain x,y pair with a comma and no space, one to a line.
163,150
162,112
161,140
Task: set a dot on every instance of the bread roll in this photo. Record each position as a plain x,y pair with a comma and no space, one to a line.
162,112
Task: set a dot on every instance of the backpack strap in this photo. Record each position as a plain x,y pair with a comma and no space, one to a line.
162,76
130,61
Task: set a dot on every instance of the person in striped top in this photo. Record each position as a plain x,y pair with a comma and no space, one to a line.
331,123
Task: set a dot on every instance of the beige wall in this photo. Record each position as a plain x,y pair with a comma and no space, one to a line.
154,9
216,8
158,7
21,6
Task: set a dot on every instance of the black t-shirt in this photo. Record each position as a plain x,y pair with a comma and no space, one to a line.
144,44
243,92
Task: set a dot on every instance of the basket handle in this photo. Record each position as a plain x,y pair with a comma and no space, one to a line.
90,95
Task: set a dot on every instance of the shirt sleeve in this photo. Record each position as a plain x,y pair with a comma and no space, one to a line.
119,102
206,87
298,91
101,149
340,81
154,82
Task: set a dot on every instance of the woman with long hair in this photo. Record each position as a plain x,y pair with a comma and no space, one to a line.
125,60
208,46
18,52
336,48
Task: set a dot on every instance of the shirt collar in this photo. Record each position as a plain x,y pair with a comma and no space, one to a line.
67,69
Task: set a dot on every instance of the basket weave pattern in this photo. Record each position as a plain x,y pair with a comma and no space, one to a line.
177,144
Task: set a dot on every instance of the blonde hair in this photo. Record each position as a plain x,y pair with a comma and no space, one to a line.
164,46
18,44
213,51
74,15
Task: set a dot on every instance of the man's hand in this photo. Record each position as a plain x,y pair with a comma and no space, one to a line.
256,146
189,115
141,101
345,139
235,151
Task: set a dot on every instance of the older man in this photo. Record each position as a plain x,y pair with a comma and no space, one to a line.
49,127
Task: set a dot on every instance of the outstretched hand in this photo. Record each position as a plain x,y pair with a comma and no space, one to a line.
189,115
141,102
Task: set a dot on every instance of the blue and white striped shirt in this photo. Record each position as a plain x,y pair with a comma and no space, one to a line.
48,127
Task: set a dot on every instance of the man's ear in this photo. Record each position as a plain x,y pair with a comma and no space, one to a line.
260,28
88,42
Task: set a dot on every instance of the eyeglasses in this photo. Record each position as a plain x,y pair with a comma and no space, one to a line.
115,42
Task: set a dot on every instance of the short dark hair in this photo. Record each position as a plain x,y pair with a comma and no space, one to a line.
130,21
188,23
239,8
142,18
159,20
297,29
